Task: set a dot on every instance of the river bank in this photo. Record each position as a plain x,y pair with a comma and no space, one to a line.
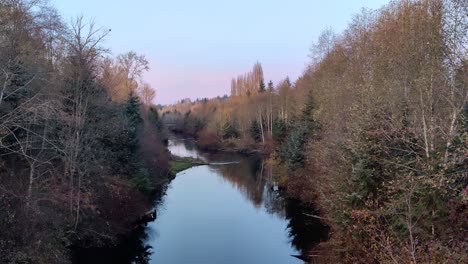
214,143
209,210
178,164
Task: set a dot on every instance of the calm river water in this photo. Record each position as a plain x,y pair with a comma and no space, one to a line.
225,213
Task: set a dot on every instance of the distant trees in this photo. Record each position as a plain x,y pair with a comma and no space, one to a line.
250,83
285,100
147,94
261,88
270,86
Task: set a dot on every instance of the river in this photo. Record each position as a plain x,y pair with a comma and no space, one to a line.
227,212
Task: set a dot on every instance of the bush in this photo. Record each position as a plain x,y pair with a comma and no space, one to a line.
142,181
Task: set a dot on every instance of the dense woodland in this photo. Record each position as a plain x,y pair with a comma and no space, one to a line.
374,132
81,150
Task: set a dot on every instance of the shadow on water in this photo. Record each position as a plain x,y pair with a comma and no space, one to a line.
250,176
255,181
130,249
305,232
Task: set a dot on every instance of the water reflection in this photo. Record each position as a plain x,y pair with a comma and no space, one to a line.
131,249
304,231
254,180
219,214
183,147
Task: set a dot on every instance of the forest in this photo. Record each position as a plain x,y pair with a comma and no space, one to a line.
81,145
374,132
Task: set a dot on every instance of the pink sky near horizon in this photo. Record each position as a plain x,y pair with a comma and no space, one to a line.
195,48
200,83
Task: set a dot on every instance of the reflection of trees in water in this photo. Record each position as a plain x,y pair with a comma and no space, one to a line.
254,180
130,249
189,144
304,231
274,201
183,147
248,176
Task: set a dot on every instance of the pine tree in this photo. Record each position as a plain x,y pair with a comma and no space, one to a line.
307,116
255,132
132,109
305,127
155,119
287,81
270,86
262,86
135,125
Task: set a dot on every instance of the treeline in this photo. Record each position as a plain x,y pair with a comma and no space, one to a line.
250,83
374,132
80,142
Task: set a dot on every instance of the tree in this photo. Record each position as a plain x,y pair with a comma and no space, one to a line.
154,118
132,110
133,66
279,130
303,130
262,86
323,47
80,86
271,88
255,132
250,83
123,75
147,94
66,148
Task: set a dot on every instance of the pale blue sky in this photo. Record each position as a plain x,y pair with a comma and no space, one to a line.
196,47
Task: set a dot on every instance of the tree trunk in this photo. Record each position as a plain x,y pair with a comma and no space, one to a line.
260,122
31,182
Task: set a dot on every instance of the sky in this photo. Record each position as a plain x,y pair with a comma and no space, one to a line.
195,47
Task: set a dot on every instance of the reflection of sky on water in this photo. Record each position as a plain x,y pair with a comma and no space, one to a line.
217,214
225,214
183,148
206,220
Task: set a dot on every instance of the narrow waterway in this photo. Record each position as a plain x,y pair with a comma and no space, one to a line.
227,212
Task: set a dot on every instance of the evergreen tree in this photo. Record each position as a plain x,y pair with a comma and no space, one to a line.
287,81
132,109
279,130
155,119
262,86
270,86
255,132
230,130
303,128
307,115
135,124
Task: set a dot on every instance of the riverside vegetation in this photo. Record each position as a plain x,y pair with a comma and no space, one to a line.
81,146
374,132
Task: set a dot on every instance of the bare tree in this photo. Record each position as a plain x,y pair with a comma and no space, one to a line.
133,66
147,94
84,51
